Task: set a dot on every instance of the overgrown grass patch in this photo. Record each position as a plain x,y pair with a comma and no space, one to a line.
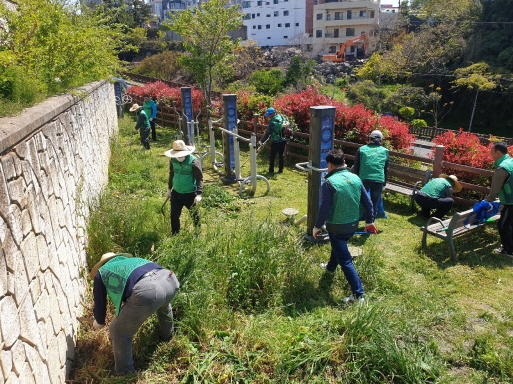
255,306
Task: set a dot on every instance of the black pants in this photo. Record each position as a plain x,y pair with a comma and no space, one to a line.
145,137
442,205
178,201
505,225
153,130
277,147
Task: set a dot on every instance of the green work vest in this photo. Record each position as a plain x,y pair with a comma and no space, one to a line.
183,178
437,187
115,274
345,206
372,162
277,121
146,124
147,108
506,192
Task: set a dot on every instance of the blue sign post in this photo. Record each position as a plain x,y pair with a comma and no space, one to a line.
186,93
322,122
230,124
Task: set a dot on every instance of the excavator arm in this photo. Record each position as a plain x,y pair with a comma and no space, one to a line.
340,56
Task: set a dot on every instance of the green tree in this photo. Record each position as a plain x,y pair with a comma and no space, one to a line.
268,82
206,41
52,44
299,72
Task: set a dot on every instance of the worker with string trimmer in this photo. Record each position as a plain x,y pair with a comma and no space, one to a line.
275,131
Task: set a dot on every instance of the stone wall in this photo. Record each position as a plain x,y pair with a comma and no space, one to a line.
53,165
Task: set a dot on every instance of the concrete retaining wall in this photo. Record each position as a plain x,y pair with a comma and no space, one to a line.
53,165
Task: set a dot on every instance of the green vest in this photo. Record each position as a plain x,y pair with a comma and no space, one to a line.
506,192
183,178
146,124
437,187
115,274
345,206
372,162
277,121
147,108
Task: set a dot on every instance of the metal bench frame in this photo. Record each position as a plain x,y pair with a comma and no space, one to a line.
448,229
411,174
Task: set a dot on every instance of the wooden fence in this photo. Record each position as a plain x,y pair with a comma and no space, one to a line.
431,132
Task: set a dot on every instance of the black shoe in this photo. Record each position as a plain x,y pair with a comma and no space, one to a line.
280,171
502,251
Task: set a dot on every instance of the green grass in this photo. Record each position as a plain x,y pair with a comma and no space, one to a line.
255,307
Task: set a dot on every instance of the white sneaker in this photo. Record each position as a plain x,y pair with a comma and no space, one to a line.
351,299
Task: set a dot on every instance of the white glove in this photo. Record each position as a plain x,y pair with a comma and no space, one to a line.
97,326
315,232
197,199
169,193
259,143
151,118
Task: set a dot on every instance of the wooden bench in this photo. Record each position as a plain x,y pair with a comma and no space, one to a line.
448,229
406,181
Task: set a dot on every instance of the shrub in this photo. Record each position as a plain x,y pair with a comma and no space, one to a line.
163,66
267,81
407,112
417,123
364,92
413,96
164,94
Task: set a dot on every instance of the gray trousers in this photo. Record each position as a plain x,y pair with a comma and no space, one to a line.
152,293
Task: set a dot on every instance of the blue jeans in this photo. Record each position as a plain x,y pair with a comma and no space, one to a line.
340,255
376,188
152,293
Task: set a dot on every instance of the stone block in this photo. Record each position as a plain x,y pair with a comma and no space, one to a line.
17,165
10,324
29,251
42,252
4,193
18,357
42,306
13,379
26,376
3,275
36,363
28,330
8,167
14,222
6,362
21,282
53,362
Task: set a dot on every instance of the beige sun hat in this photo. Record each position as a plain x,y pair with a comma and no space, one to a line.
135,107
106,257
457,187
179,149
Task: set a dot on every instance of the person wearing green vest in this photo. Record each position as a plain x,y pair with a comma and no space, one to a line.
278,142
150,108
502,186
138,288
341,196
371,165
185,183
143,124
436,194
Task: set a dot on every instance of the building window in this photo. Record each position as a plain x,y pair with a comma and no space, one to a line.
297,24
246,4
333,49
252,15
258,14
339,15
267,3
363,14
247,16
328,17
268,15
285,37
279,25
318,33
259,27
351,49
275,1
349,31
268,37
254,26
371,15
260,3
276,13
268,26
335,32
285,13
349,15
319,16
287,25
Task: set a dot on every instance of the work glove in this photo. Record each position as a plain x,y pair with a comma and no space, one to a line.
197,199
97,326
490,205
169,193
151,118
259,143
371,228
315,232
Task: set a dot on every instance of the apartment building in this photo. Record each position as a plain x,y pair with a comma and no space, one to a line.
335,22
274,22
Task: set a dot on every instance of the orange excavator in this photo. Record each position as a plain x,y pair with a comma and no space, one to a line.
361,42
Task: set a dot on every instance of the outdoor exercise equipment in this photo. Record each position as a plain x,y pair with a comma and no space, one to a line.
322,124
120,87
187,111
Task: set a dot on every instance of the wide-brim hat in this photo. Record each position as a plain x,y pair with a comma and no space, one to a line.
179,149
457,187
135,107
106,257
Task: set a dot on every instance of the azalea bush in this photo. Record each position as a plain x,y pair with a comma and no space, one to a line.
163,94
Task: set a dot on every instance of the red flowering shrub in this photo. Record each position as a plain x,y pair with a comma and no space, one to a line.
163,94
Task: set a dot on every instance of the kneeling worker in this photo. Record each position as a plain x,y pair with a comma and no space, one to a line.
145,288
437,195
185,183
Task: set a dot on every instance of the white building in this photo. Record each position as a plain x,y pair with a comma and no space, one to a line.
274,22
